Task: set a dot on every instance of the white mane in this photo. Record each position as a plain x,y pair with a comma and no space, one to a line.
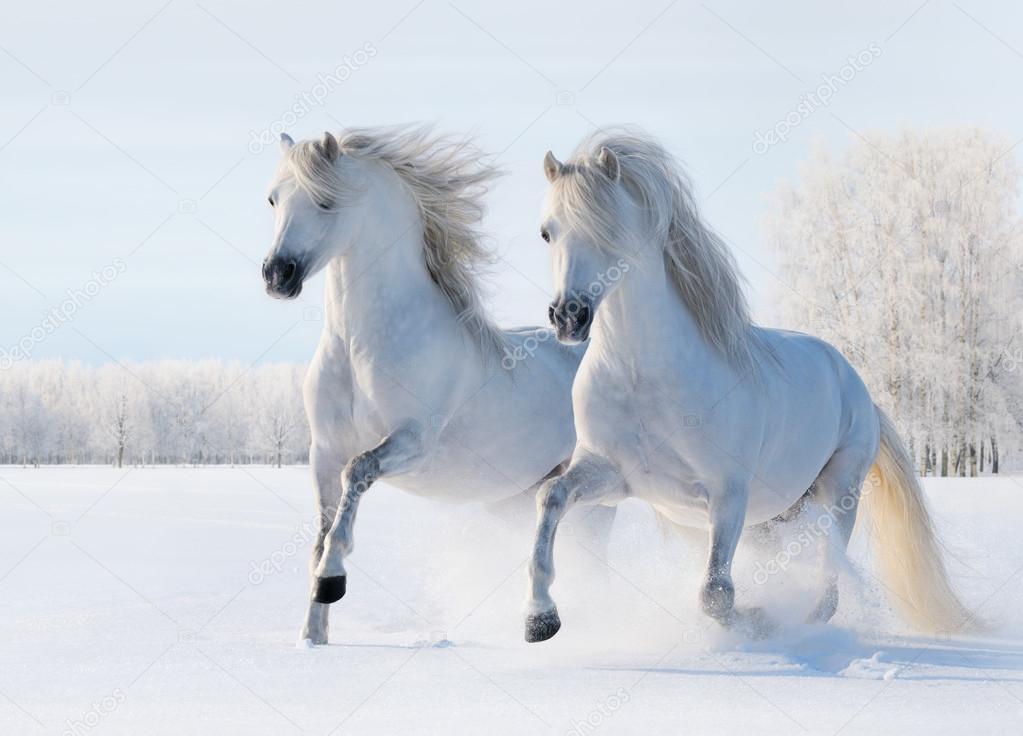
448,179
699,262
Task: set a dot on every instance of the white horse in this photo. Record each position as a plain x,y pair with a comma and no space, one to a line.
684,403
411,381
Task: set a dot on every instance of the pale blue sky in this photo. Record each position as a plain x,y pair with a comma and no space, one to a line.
114,116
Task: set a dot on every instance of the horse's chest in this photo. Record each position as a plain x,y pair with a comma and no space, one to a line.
639,425
342,412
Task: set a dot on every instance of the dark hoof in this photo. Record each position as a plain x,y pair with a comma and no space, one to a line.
330,590
542,626
717,599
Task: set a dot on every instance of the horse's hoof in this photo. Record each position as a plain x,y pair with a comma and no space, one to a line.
330,590
718,599
310,640
542,626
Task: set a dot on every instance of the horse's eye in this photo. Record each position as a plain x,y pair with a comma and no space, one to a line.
324,207
545,235
270,200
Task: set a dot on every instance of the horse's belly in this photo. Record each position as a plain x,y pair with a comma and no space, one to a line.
680,469
500,444
460,472
767,502
684,503
449,488
684,497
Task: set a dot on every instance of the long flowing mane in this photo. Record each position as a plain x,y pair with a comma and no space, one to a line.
698,261
448,179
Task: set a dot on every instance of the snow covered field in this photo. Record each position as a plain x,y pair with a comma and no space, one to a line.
167,601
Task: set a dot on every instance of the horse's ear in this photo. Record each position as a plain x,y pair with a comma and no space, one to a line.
329,148
286,142
551,166
608,162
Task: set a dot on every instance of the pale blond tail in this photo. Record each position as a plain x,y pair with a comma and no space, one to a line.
905,547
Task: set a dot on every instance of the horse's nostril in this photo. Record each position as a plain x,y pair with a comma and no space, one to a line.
584,315
289,270
550,315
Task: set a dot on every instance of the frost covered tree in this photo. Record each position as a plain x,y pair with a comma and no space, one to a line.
279,418
70,402
231,413
118,411
27,423
31,424
905,251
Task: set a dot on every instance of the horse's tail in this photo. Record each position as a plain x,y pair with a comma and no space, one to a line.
905,545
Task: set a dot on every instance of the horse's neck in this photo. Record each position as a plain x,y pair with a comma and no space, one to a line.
382,281
644,316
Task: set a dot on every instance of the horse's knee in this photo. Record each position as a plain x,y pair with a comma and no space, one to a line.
552,499
360,473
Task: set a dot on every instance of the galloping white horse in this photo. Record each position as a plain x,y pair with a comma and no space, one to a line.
682,402
411,381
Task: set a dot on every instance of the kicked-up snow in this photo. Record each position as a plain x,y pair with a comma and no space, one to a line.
169,600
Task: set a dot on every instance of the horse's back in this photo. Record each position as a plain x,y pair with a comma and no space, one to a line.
817,404
809,361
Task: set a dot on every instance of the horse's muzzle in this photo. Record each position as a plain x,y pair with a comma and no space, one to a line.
571,319
283,277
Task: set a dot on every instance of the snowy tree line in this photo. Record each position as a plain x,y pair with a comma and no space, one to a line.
166,412
905,251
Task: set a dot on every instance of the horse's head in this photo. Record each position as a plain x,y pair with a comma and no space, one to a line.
585,217
310,225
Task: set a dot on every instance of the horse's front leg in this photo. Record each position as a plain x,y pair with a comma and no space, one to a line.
588,480
398,453
727,515
327,465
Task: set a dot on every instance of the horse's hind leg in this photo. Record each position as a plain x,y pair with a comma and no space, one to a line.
589,480
837,491
326,468
767,532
